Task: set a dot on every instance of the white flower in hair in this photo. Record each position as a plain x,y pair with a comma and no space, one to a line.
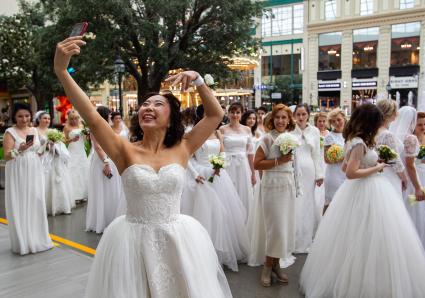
209,80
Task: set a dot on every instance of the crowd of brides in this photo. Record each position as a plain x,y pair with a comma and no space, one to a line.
262,208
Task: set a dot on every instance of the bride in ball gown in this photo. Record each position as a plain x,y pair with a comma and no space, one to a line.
153,250
366,244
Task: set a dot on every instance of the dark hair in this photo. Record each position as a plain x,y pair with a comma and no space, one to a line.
421,115
104,112
136,132
175,131
115,114
262,108
20,106
189,116
37,120
199,113
235,106
305,106
364,123
245,118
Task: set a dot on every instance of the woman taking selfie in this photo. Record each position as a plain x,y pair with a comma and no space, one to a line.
152,251
24,194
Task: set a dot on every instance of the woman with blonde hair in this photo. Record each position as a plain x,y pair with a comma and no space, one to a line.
78,162
321,122
277,195
334,176
395,173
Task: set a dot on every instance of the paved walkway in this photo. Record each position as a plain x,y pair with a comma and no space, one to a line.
62,272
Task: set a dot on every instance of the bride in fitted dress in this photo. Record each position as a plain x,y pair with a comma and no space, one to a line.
152,251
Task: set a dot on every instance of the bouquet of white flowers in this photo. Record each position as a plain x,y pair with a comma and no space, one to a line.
412,199
218,161
287,143
55,135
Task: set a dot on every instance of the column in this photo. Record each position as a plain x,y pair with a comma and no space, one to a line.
384,60
346,66
421,87
311,55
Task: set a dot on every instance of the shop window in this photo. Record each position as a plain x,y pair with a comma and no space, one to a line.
283,20
330,51
365,54
405,44
265,64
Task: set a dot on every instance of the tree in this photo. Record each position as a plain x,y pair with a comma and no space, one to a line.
27,45
155,36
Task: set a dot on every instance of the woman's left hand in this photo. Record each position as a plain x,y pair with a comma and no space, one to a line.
319,182
217,172
185,78
253,179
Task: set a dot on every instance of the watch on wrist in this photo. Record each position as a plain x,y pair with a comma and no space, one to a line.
198,82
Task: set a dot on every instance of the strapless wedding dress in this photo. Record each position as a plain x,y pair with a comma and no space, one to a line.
153,250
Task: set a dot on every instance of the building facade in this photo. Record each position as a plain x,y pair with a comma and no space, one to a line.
282,30
364,50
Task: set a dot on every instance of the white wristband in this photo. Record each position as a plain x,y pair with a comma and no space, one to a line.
106,160
199,81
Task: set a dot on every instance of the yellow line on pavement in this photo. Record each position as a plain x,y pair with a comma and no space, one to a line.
64,241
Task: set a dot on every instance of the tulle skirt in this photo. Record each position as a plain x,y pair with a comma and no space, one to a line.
237,214
201,202
105,196
173,259
417,211
366,246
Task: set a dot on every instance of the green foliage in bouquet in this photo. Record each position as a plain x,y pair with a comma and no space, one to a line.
421,154
55,135
386,154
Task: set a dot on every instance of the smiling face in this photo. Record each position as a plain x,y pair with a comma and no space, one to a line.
154,113
338,123
281,120
251,120
420,127
22,118
74,119
261,114
45,120
301,116
235,115
321,123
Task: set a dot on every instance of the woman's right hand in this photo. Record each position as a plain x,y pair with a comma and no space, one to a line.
65,50
107,170
285,158
419,193
381,166
75,139
25,146
200,179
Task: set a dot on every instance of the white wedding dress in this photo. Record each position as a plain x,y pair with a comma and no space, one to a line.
24,198
366,244
79,167
153,250
58,188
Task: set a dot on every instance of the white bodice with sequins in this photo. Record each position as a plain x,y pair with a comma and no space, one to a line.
153,197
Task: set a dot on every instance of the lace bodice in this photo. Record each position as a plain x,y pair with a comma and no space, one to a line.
271,151
385,137
209,147
235,143
153,198
357,149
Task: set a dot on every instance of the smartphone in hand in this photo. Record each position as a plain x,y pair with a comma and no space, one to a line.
29,138
79,29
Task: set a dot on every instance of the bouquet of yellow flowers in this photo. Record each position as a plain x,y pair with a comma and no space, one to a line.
218,161
55,135
421,154
335,153
386,154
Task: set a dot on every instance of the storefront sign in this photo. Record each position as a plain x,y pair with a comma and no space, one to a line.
330,85
404,82
364,84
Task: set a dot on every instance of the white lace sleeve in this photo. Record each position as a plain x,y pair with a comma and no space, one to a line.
250,147
389,140
317,155
355,150
265,143
411,146
329,140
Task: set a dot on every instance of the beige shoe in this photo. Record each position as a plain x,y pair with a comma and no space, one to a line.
280,276
266,276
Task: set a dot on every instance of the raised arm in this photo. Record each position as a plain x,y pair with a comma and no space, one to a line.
110,142
213,114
